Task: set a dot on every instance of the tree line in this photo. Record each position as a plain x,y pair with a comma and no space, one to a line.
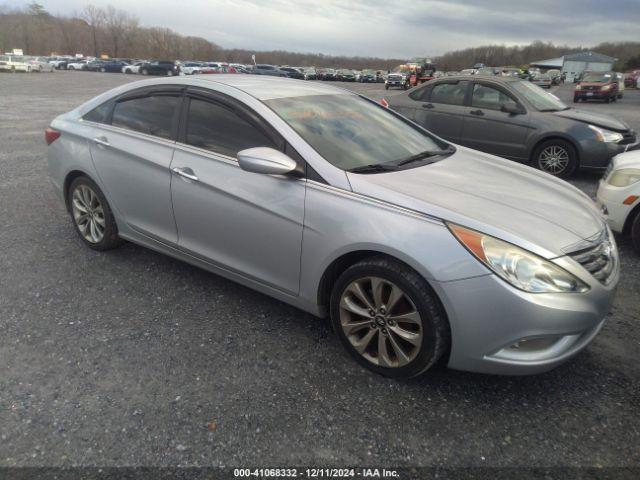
96,31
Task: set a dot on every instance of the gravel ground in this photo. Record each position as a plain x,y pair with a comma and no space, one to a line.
132,358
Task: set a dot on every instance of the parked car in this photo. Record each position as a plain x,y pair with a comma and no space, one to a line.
310,73
191,68
542,80
15,63
520,268
631,78
60,63
555,76
513,118
266,69
619,195
160,67
77,65
132,68
40,64
345,75
597,86
112,66
368,76
292,72
94,65
326,74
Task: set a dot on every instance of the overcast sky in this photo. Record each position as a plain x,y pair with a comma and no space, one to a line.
397,29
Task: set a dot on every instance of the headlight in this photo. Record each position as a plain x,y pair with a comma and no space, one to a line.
518,267
606,87
624,177
606,135
578,87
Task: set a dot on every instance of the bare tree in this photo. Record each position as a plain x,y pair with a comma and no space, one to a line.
94,17
119,25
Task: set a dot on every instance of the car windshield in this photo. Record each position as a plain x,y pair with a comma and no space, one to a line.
596,77
351,132
537,97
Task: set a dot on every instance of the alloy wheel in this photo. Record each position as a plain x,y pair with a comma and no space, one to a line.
381,322
88,214
554,159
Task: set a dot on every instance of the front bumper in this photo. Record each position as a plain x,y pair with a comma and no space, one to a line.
488,317
611,199
593,95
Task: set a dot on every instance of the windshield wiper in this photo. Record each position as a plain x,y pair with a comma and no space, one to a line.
373,168
426,154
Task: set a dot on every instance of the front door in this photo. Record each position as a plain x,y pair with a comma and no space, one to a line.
442,112
248,223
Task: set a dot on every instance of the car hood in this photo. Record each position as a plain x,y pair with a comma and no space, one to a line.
501,198
597,119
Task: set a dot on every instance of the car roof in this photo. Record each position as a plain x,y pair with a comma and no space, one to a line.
259,86
491,78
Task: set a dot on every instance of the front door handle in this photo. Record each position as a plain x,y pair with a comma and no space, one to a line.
427,105
185,172
479,113
102,141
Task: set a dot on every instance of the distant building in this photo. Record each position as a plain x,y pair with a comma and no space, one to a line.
576,63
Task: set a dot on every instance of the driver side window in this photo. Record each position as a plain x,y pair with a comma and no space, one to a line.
489,98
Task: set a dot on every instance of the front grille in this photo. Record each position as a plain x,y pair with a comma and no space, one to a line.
598,260
590,87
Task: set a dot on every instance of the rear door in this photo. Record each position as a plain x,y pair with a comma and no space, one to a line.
488,129
132,152
441,110
247,223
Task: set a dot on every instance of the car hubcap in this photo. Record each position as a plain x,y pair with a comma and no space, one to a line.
88,214
381,322
553,159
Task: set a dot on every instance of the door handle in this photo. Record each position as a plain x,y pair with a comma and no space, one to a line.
185,172
479,113
427,105
102,141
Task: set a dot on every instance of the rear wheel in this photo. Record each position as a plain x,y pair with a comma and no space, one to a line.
144,71
169,73
635,233
556,157
92,215
102,70
388,318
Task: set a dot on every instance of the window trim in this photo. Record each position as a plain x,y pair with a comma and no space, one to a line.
495,86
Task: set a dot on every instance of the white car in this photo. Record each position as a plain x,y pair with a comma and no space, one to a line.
133,68
40,64
619,194
79,65
15,63
190,68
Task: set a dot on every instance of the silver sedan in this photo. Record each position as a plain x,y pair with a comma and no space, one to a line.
419,250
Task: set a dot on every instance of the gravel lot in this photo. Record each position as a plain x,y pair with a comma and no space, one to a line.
132,358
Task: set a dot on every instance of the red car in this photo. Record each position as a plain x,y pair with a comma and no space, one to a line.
597,86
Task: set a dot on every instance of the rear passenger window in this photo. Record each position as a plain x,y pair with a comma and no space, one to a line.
151,115
214,127
449,93
489,98
99,114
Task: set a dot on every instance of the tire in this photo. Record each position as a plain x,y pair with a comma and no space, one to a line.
559,164
77,199
169,73
428,328
386,87
635,233
576,99
72,68
102,70
144,71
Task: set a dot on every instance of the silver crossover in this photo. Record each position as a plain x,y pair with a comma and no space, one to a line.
418,249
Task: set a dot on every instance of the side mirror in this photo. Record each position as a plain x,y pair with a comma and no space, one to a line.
512,108
266,160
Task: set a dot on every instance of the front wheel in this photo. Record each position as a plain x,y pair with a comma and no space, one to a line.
388,318
102,70
144,71
556,157
635,233
386,87
169,73
92,215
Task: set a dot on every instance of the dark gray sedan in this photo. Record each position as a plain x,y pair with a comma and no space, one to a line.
517,120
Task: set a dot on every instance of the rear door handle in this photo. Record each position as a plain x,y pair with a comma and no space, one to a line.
185,172
427,105
102,141
479,113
